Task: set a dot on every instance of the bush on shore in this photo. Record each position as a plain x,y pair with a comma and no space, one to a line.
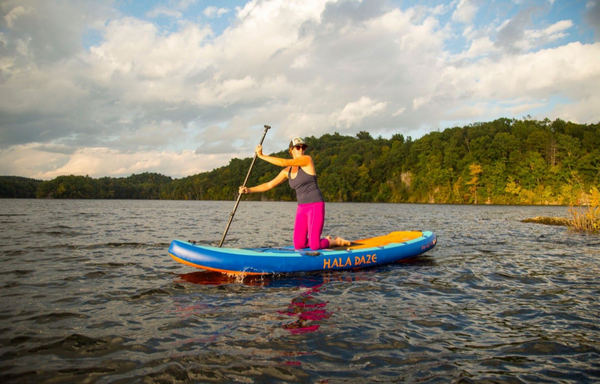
587,219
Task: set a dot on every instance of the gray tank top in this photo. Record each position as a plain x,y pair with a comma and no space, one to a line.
307,189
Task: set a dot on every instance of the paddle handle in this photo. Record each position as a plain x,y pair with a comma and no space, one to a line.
267,127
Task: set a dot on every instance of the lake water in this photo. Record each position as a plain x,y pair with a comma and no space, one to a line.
89,294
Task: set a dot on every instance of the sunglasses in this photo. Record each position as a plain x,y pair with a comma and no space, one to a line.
300,146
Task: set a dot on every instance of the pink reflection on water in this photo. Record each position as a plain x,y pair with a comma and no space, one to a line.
307,310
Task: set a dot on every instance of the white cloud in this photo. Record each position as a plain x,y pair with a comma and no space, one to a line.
399,112
465,11
98,162
301,61
568,70
174,9
534,38
164,11
14,14
482,46
147,54
515,36
564,69
166,100
213,12
185,4
354,112
558,28
584,111
30,160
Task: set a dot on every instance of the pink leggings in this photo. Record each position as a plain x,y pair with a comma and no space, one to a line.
309,225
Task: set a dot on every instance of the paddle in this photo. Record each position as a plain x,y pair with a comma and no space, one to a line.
267,127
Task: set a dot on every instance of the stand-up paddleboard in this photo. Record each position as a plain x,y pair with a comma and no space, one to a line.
390,248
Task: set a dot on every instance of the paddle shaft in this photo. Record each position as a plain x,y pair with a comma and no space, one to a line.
267,127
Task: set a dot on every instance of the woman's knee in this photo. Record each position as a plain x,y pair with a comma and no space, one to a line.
300,242
314,244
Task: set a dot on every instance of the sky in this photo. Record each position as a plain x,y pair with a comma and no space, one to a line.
179,87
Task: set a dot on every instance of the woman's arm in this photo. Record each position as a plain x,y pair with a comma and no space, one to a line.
280,178
301,161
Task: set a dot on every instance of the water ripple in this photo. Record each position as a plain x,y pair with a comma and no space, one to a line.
90,294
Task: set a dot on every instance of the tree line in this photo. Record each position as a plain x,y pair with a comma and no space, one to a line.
16,187
142,186
505,161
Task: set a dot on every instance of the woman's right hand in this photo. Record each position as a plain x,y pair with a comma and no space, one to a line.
258,150
243,190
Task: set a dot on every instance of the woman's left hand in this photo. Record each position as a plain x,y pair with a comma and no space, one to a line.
258,150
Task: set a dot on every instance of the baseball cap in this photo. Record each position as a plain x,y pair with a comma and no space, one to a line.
297,141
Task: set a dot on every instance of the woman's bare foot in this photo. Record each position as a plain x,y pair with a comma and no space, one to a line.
343,242
337,241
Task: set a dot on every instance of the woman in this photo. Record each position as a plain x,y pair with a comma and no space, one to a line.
310,215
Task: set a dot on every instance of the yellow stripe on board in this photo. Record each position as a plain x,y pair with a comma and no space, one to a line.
394,237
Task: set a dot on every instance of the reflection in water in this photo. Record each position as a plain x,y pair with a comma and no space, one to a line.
300,280
309,279
307,309
218,278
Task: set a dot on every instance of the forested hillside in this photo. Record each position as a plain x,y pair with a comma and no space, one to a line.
142,186
18,187
500,162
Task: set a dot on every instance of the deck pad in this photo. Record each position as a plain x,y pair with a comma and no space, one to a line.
394,237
